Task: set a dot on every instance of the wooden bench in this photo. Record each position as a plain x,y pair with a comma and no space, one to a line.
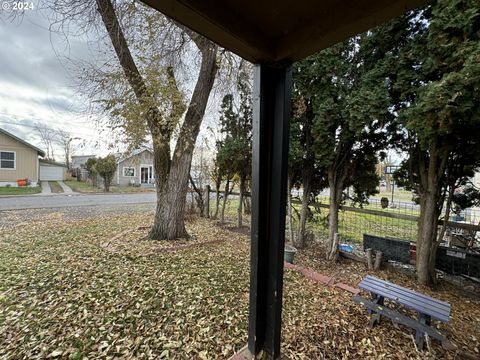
427,307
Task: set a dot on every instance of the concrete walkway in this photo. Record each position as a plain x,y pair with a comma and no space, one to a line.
66,189
46,188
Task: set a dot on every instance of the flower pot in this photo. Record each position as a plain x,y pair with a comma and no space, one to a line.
22,182
289,254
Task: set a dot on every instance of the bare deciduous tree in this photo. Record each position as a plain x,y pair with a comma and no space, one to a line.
144,96
48,137
65,140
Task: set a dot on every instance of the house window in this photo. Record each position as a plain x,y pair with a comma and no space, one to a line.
129,171
7,160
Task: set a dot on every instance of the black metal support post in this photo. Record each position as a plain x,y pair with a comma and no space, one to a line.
271,121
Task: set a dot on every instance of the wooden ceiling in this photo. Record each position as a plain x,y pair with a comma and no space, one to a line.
274,30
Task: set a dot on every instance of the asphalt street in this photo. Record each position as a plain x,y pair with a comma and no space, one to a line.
62,201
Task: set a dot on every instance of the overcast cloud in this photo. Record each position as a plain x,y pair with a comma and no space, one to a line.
35,86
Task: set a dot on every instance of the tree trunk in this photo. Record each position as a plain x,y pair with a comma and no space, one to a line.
336,187
240,202
169,220
207,201
378,260
368,254
427,233
247,205
198,197
289,210
301,236
225,197
332,225
218,182
431,173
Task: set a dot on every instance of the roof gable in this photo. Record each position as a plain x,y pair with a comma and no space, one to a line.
134,153
40,152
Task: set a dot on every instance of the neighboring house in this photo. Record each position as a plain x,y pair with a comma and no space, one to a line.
52,171
18,160
137,168
78,161
77,165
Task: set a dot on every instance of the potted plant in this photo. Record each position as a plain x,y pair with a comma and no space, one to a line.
289,253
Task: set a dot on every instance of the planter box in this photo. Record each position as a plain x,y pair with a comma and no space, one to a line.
450,260
392,249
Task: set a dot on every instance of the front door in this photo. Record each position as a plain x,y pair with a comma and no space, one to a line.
144,175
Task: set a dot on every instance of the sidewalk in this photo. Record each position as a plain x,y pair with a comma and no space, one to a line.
46,190
66,189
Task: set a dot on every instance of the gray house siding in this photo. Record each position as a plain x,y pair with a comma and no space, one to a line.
136,162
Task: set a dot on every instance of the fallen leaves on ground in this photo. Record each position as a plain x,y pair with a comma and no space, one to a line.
463,327
63,295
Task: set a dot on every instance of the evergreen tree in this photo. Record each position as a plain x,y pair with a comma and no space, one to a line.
349,106
434,78
106,168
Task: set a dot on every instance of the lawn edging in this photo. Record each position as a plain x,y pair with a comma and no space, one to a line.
323,279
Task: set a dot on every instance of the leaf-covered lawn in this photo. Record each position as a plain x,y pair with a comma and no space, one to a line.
65,294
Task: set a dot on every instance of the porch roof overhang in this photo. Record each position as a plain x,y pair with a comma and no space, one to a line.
274,30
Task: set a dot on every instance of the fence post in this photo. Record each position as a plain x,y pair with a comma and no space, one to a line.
207,202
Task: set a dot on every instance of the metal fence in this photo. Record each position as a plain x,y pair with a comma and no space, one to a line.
398,220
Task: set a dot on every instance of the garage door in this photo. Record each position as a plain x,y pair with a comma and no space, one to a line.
52,173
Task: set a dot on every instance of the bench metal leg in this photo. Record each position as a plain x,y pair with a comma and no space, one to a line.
376,317
419,335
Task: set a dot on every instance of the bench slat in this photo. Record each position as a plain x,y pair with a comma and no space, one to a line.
423,304
392,285
400,318
442,307
408,302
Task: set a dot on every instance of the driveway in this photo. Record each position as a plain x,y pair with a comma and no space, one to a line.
62,201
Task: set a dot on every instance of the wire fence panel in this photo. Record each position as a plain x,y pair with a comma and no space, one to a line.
397,220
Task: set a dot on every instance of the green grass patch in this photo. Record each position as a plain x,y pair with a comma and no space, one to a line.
55,187
20,190
352,225
83,187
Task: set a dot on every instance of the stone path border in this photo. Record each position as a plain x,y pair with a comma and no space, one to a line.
323,279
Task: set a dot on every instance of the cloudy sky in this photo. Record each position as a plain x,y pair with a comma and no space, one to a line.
35,86
38,86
